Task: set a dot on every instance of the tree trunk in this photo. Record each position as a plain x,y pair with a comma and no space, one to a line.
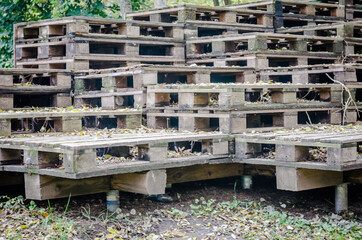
160,3
216,3
125,6
227,2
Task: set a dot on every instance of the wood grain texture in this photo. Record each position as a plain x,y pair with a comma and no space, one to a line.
203,172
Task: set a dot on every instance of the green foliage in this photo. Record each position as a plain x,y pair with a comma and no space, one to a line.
13,12
92,8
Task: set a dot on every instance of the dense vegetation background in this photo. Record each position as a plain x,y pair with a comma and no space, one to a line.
15,11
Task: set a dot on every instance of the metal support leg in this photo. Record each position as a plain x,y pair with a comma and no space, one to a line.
112,200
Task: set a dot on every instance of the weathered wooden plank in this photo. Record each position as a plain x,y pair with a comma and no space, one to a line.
203,172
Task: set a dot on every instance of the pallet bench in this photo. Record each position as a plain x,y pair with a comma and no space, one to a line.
66,120
185,13
240,121
242,96
316,158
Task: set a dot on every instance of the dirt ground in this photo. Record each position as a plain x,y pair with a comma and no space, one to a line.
183,218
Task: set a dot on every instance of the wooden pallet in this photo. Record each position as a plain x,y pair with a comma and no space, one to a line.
344,73
47,29
351,3
156,29
241,121
349,30
37,99
243,96
12,77
66,120
141,76
195,29
348,74
264,59
296,44
21,88
354,13
303,160
79,156
185,13
92,51
296,13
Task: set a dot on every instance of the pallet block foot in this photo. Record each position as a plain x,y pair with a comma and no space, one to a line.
39,187
80,160
129,121
298,179
5,127
68,124
149,183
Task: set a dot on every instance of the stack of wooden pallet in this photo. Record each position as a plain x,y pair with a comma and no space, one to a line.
79,43
238,70
36,100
